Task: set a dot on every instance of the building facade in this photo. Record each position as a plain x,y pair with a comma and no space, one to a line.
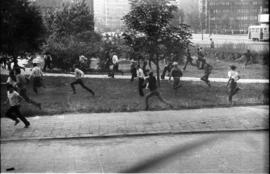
108,14
230,16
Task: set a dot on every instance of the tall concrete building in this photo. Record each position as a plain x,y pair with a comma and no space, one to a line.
108,14
231,16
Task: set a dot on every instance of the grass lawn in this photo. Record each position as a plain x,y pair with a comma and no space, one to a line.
115,95
220,70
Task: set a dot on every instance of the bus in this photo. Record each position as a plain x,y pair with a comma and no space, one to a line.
258,32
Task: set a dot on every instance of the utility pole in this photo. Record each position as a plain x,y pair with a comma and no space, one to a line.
201,22
209,22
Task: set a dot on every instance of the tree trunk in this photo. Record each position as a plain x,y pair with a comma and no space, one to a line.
158,76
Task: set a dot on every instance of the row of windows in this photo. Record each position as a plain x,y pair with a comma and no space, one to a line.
241,3
241,18
216,11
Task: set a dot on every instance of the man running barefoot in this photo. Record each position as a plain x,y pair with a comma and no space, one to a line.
78,76
152,85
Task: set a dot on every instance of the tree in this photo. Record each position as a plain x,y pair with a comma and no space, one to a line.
149,30
72,34
22,28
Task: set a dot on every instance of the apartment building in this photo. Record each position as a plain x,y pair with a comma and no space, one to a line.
108,13
231,16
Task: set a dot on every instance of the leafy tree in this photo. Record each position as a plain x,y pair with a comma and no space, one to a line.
72,34
150,30
22,28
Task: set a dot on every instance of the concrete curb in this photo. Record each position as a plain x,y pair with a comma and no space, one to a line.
135,134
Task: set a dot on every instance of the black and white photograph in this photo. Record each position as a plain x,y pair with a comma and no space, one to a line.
134,86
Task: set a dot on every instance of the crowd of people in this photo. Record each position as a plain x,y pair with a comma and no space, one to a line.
17,82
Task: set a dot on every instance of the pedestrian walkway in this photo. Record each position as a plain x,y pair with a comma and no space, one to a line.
137,123
194,79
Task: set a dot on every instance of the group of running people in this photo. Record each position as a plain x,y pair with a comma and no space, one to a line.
17,83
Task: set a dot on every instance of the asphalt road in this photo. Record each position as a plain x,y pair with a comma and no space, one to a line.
235,39
239,152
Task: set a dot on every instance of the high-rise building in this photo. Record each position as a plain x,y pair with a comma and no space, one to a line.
231,16
108,13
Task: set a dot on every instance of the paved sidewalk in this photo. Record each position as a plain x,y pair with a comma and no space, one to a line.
138,123
194,79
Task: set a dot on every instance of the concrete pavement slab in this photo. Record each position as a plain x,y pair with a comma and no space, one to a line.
244,152
138,123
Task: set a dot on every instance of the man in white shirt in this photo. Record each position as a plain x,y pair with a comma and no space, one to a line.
14,111
232,83
115,62
82,59
78,76
140,76
11,80
37,75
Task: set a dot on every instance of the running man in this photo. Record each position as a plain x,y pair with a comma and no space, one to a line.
48,61
14,111
232,83
133,70
212,44
37,75
188,60
207,71
176,73
78,76
151,83
201,59
166,69
21,82
140,76
248,58
11,80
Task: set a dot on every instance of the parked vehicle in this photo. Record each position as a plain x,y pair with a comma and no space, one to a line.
258,32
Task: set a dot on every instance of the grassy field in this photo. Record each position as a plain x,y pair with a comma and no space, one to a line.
221,67
114,95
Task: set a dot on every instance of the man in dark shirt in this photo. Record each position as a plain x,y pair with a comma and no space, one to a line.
21,85
207,71
166,69
201,59
188,60
133,70
248,57
176,73
152,85
48,61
